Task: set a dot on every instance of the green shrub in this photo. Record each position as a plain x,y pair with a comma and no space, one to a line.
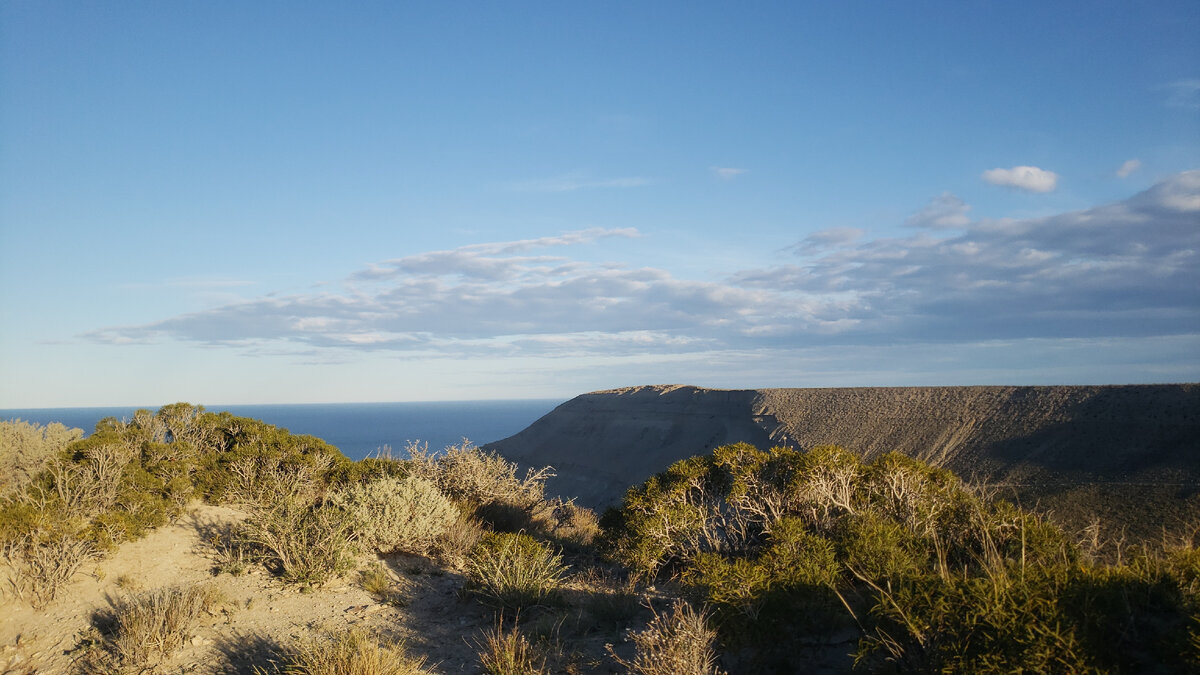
875,548
1002,623
797,557
397,514
513,571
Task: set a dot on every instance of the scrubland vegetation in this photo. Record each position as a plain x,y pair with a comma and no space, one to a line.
741,560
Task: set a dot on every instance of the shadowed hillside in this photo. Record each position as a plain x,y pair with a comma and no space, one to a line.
1110,450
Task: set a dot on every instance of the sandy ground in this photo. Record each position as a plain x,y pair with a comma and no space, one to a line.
434,618
261,613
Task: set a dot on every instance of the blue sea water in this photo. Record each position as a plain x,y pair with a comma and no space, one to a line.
357,429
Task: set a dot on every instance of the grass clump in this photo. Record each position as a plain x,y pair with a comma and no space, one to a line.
513,571
151,626
376,581
393,514
508,652
350,652
679,643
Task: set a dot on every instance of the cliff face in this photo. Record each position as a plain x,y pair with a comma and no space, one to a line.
603,442
1041,441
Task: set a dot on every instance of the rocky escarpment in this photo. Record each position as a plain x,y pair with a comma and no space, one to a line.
1137,442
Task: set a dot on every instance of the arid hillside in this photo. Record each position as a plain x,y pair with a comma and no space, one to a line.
1083,451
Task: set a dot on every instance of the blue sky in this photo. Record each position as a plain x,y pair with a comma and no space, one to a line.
227,202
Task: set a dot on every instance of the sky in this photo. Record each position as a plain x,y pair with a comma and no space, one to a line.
285,202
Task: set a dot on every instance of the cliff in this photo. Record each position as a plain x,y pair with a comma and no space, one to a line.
1044,444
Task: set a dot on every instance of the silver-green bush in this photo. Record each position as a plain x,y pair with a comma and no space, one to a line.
391,514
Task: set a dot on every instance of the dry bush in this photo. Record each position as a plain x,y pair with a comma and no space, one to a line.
82,489
37,571
680,643
465,473
459,540
303,543
352,652
397,514
509,652
574,524
26,448
154,625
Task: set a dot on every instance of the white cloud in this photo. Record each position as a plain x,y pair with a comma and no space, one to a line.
1129,167
1122,270
944,211
1029,178
727,173
832,237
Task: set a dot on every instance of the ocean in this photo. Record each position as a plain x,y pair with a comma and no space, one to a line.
357,429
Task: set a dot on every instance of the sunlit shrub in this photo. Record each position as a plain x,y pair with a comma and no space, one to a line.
26,448
153,625
397,514
303,543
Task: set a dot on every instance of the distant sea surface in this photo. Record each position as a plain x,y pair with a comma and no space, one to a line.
357,429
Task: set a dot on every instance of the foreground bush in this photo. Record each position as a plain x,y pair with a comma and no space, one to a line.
391,514
152,626
788,547
38,569
513,571
679,643
509,653
303,543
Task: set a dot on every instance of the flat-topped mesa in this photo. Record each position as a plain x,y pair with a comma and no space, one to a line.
1043,441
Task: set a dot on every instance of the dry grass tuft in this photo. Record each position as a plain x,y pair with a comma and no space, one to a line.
376,581
509,652
153,625
352,652
680,643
